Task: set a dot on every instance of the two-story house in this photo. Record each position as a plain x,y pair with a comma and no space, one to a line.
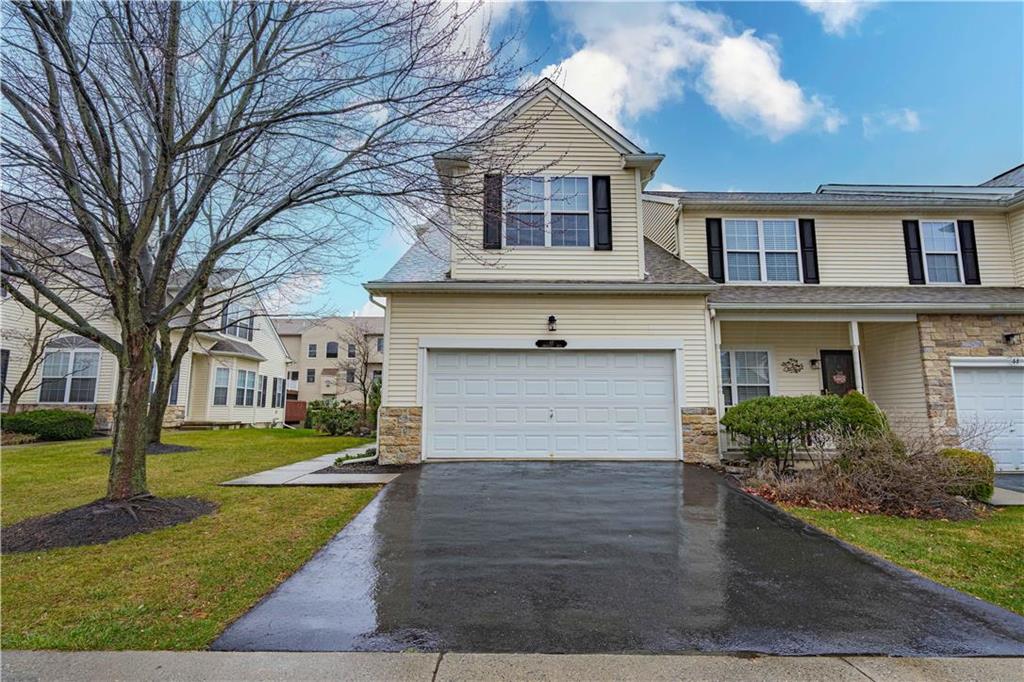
575,316
329,355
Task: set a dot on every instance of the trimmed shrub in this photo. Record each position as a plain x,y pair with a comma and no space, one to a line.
974,473
50,424
332,417
776,426
859,415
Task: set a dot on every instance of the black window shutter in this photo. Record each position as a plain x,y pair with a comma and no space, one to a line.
602,188
492,211
915,260
809,251
716,257
969,251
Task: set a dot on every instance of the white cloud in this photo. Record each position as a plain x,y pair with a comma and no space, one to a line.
370,310
665,187
900,120
838,15
635,58
743,81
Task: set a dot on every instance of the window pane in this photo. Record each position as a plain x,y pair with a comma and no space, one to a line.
570,194
726,368
744,267
747,392
524,229
570,229
751,367
943,269
741,235
86,364
779,235
51,391
55,364
82,390
727,395
781,267
524,195
939,236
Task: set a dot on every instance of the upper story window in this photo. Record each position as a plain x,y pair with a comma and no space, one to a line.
762,250
941,251
238,321
332,349
70,371
311,350
350,375
351,350
548,211
310,376
380,344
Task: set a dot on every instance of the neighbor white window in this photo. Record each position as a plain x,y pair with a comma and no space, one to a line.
941,251
221,378
762,250
311,350
350,375
380,344
245,388
547,211
238,321
70,373
745,374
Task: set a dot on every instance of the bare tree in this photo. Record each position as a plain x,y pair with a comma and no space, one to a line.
32,342
178,140
359,338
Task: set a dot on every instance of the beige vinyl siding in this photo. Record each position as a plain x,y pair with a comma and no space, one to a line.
660,224
337,329
802,341
1015,222
892,366
559,144
866,249
411,316
200,393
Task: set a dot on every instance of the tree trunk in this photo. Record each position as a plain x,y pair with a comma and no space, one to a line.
12,404
128,457
165,370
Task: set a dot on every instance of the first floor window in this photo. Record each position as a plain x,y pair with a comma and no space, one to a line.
221,377
277,399
350,375
941,251
378,376
172,396
294,375
762,250
310,376
245,388
745,374
261,391
70,372
5,358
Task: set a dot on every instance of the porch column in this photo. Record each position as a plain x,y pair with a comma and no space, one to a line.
855,347
716,383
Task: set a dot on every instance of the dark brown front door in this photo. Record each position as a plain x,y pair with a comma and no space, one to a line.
837,371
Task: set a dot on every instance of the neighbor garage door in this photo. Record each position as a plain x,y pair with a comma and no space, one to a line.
550,404
993,397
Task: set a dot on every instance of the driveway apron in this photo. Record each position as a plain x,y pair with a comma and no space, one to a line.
604,557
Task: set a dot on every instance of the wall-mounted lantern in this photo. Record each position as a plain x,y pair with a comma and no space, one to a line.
815,363
552,323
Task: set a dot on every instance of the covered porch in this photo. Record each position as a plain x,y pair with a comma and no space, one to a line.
791,353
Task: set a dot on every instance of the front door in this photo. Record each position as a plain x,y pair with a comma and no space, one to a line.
837,372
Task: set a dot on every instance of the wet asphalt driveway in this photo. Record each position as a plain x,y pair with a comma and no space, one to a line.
603,557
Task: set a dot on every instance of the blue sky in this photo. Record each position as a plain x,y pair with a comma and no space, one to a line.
777,96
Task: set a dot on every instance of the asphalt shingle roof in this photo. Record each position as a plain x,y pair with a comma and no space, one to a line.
1011,178
232,347
828,295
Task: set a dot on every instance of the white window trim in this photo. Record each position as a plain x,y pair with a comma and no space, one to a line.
311,350
308,370
761,251
227,393
925,252
732,373
71,375
247,389
547,212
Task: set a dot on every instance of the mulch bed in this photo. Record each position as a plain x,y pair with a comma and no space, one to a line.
157,449
101,521
367,468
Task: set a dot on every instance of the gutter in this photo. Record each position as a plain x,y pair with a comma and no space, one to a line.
900,307
539,287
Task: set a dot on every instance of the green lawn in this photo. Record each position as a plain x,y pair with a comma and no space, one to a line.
983,557
175,588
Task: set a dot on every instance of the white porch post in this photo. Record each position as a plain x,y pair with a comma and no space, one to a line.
716,384
855,347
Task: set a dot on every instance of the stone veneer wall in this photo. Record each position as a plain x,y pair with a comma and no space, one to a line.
399,435
946,336
700,435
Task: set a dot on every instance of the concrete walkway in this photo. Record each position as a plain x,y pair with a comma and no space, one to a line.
143,666
1004,497
301,473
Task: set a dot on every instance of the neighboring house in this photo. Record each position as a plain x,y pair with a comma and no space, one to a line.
583,318
233,376
328,355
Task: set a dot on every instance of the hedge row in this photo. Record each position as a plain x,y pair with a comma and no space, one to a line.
50,424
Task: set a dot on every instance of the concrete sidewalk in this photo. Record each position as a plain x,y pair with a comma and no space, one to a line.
143,666
301,473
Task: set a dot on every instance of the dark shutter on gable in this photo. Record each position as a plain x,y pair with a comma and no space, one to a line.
809,251
716,256
915,259
602,188
492,211
969,251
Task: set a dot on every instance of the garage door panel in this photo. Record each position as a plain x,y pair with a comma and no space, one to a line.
992,399
544,404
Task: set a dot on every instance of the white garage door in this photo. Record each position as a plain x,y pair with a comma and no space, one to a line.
550,404
993,397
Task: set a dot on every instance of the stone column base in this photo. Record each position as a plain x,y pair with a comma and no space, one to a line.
700,435
399,435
